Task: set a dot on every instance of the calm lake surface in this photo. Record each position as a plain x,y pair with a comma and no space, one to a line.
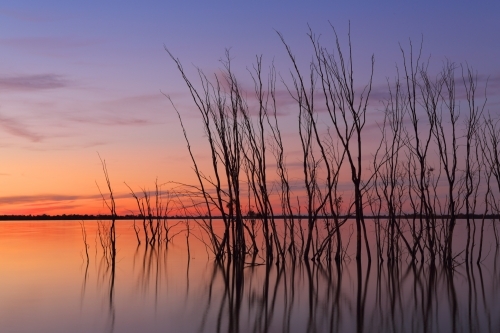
47,286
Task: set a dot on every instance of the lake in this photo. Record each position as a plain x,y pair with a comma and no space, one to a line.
48,285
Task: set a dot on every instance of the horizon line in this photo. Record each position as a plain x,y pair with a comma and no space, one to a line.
91,217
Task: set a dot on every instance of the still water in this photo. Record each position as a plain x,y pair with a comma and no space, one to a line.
47,285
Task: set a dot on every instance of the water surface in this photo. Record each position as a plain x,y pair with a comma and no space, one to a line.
46,285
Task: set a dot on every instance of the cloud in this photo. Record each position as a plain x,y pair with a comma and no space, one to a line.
49,43
33,82
112,121
63,147
44,199
493,82
380,91
21,199
124,111
26,16
16,128
140,99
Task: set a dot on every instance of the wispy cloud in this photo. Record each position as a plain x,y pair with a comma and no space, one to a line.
493,82
44,199
380,91
124,111
112,121
26,16
17,128
33,82
19,199
63,147
139,99
49,43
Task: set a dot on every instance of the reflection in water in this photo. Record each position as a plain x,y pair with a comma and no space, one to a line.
157,288
106,267
302,297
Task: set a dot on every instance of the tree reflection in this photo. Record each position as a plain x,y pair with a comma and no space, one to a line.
313,298
301,296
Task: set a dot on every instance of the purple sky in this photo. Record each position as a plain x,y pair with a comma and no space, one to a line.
76,79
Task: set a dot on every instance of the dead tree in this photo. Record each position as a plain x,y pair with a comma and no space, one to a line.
347,112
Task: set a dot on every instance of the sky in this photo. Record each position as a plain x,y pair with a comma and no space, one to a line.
79,80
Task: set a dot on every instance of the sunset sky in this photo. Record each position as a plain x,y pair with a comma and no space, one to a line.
78,80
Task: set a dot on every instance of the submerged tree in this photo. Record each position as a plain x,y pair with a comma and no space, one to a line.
415,180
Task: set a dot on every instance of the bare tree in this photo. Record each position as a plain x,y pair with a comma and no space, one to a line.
347,113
